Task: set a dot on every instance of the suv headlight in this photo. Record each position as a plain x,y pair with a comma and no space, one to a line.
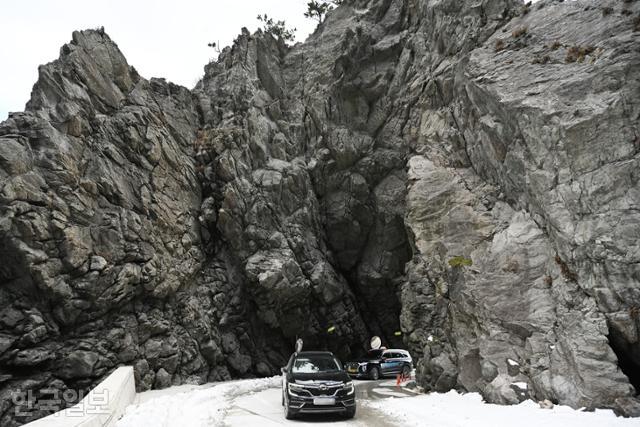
348,387
296,389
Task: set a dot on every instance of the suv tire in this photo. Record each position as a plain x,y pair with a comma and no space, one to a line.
406,370
374,374
351,412
288,414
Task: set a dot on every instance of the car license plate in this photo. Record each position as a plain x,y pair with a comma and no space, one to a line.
324,401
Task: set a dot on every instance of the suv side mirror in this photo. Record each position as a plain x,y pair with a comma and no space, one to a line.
284,369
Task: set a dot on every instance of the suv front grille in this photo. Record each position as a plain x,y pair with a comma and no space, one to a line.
327,391
320,389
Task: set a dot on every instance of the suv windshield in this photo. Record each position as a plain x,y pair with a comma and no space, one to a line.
313,364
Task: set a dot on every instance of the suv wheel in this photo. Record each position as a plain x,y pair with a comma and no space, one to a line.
375,373
406,370
351,412
288,414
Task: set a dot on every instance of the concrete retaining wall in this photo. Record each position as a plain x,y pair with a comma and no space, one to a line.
102,407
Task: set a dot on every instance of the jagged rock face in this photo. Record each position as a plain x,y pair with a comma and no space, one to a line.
526,165
99,201
441,168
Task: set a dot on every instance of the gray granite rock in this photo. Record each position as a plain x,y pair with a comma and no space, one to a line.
163,379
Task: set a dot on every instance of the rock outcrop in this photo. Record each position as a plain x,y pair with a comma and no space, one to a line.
465,172
526,165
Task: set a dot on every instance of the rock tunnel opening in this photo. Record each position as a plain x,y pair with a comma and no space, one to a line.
375,280
380,310
628,356
370,246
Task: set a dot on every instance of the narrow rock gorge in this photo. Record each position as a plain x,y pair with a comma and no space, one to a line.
465,172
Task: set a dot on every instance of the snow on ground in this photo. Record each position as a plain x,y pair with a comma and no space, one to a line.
193,408
252,402
263,409
173,390
387,392
463,410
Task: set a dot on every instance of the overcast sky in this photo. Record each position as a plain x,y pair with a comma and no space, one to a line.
161,38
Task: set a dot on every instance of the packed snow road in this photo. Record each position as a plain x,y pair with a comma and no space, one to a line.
257,402
265,409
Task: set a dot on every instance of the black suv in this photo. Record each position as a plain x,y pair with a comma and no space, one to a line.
381,362
315,382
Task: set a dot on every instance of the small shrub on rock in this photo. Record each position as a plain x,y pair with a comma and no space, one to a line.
460,261
578,53
512,266
556,45
519,32
541,59
564,269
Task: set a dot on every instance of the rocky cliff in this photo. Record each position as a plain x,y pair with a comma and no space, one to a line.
465,172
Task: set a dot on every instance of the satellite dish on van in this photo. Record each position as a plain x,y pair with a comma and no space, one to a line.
376,342
299,345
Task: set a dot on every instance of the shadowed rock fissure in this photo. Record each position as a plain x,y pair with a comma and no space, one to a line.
13,271
463,173
628,354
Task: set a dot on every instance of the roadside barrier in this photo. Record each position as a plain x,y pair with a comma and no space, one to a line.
102,406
